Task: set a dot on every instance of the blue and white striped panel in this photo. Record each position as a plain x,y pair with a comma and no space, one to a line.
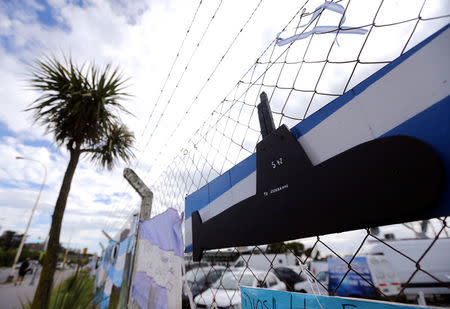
409,96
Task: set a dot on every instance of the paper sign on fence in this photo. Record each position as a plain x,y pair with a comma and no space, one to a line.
157,283
253,298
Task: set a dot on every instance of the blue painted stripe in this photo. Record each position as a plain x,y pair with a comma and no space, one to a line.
218,186
211,191
196,201
243,169
205,195
433,127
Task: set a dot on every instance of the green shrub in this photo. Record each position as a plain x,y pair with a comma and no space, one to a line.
7,257
76,292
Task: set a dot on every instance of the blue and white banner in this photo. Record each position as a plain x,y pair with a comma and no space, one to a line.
159,257
253,298
93,266
98,297
108,287
120,262
409,96
106,273
103,265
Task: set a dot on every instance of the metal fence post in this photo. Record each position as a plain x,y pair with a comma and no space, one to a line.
146,208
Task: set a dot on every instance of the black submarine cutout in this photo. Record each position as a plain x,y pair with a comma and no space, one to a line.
378,182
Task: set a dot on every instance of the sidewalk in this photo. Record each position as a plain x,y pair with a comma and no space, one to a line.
11,296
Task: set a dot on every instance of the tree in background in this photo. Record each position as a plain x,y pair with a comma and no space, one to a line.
294,247
10,240
276,247
80,106
314,255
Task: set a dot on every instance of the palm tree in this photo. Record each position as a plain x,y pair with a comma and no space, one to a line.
80,107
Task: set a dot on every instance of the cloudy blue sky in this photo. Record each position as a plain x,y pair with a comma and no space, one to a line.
143,38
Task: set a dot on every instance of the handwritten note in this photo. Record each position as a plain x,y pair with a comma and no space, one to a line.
253,298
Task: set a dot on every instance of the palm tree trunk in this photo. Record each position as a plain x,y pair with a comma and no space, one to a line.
42,296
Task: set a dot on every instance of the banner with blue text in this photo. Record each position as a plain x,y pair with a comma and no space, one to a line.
253,298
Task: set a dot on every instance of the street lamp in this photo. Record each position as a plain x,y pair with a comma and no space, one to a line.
19,251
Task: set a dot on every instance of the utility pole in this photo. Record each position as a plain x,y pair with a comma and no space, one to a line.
38,266
19,250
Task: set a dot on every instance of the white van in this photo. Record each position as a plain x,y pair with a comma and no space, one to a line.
265,261
375,269
436,263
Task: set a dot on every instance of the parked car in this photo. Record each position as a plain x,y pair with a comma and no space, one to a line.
313,285
225,292
288,276
199,279
191,265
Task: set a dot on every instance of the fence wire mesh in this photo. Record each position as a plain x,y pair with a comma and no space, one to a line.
300,78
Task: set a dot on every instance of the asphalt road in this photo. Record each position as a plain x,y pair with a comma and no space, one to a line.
11,296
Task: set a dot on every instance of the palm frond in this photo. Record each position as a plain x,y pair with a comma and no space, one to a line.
117,144
80,106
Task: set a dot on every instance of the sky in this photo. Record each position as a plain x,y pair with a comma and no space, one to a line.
143,38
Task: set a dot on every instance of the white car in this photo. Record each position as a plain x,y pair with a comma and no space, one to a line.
225,293
307,283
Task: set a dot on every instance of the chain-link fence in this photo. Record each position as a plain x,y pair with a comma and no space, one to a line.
403,270
405,262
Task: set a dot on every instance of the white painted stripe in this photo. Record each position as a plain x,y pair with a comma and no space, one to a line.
188,232
239,192
413,86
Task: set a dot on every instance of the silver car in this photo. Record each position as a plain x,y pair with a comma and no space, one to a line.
225,292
